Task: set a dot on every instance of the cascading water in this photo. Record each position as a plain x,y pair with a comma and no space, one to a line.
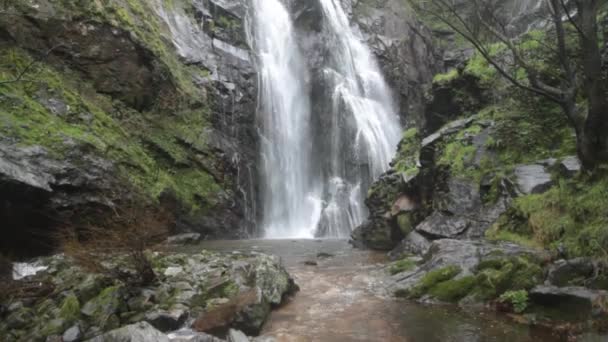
364,128
322,194
291,206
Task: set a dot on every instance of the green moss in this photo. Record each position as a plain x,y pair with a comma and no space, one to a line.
573,213
403,265
70,309
26,117
453,290
498,275
432,278
406,161
442,79
405,224
479,67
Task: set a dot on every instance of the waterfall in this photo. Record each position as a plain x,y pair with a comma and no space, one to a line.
365,128
320,193
291,206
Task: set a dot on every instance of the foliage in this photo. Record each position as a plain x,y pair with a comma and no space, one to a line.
406,161
519,300
573,214
447,77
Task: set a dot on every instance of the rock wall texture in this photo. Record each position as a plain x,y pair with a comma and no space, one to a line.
106,104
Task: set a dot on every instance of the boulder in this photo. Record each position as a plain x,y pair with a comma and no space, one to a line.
138,332
414,243
569,272
73,334
237,336
440,225
573,301
462,259
532,179
570,166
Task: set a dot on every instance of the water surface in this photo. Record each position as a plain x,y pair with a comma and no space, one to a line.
343,298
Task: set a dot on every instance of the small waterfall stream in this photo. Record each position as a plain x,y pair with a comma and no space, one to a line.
321,193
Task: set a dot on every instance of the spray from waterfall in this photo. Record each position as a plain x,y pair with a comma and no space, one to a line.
291,207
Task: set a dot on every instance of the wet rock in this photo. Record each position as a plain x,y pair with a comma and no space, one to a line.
465,256
532,179
173,271
237,336
582,302
187,335
73,334
323,255
104,309
568,272
413,244
167,320
138,332
440,225
570,166
184,239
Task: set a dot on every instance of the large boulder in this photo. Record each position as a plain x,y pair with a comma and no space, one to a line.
574,302
469,271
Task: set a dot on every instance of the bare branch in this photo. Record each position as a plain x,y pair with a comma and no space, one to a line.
28,67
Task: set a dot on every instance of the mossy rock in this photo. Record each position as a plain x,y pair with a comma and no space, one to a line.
402,265
103,309
70,309
453,290
432,279
498,275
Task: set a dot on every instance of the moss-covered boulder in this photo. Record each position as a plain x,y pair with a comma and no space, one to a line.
469,272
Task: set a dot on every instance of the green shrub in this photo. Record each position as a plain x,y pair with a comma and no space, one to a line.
518,299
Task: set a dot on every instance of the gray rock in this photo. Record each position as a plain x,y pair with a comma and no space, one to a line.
188,335
580,301
138,332
440,225
570,166
73,334
172,271
466,254
533,179
414,243
564,272
167,320
237,336
184,239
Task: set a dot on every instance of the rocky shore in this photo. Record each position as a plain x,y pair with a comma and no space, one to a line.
195,295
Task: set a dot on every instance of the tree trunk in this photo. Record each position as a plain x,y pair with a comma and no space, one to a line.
592,139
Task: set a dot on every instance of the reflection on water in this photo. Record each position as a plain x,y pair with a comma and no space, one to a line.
342,298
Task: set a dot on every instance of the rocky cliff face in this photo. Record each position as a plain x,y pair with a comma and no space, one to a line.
103,105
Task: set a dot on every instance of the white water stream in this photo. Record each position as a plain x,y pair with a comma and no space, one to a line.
298,200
